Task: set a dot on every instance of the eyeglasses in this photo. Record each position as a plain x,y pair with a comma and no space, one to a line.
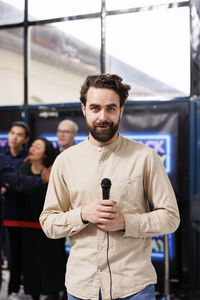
64,131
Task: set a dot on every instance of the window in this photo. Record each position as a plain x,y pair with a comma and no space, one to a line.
11,66
60,8
47,55
62,55
11,11
151,50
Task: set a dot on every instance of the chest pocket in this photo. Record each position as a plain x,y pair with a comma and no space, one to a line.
129,194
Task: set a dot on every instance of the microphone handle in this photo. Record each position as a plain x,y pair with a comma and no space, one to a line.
105,193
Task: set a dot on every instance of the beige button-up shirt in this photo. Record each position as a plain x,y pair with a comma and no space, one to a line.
138,176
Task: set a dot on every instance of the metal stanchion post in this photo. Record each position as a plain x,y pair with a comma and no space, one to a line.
167,282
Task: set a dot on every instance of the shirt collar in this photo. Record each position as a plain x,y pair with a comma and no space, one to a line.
110,147
23,153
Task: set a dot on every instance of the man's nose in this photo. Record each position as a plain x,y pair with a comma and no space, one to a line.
102,115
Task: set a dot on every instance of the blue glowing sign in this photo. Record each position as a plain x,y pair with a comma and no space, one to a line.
3,139
160,142
158,246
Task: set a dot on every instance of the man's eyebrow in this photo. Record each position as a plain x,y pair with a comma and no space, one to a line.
98,105
93,104
112,104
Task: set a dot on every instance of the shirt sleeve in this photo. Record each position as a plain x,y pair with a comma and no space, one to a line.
56,219
16,179
164,218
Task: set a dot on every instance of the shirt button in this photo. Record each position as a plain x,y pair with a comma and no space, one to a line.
99,270
99,248
99,149
100,161
128,180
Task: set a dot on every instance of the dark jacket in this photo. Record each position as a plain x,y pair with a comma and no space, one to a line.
44,259
15,178
12,207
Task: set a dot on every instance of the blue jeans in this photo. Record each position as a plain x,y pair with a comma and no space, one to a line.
146,294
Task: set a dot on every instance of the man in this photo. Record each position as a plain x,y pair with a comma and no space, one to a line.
14,153
18,136
110,254
66,132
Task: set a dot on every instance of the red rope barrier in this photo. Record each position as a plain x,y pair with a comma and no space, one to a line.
24,224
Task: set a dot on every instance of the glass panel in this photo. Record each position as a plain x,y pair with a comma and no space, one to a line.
60,8
61,57
11,66
11,11
119,4
154,55
195,50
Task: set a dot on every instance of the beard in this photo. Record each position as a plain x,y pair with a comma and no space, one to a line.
103,135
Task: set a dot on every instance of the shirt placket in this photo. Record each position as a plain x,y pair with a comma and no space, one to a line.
101,234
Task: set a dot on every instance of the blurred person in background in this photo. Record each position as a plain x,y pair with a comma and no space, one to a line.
11,177
66,132
44,259
14,152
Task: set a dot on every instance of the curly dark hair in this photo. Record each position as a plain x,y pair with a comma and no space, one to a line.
49,153
108,81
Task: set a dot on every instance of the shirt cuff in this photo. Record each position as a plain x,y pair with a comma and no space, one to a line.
74,218
132,225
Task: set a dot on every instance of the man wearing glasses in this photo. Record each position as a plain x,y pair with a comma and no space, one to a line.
66,132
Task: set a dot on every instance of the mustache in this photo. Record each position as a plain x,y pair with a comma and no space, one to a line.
103,123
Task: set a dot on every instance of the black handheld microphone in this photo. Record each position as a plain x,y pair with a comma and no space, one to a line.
106,184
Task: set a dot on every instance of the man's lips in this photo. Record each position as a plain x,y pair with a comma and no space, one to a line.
103,125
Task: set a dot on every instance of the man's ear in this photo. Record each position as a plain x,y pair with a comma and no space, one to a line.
121,111
83,108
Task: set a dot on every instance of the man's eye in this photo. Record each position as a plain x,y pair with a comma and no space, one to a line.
94,108
110,109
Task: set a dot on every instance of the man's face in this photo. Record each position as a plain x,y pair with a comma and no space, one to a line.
65,134
17,137
102,113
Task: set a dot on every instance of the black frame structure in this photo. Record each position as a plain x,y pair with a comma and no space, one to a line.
191,275
102,15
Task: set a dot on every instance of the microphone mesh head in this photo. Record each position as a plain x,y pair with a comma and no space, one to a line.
106,183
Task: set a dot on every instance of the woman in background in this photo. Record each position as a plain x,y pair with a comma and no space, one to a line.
44,259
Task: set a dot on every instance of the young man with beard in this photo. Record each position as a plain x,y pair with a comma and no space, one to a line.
110,256
15,153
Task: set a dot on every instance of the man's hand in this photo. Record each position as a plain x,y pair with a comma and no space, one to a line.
45,174
104,214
